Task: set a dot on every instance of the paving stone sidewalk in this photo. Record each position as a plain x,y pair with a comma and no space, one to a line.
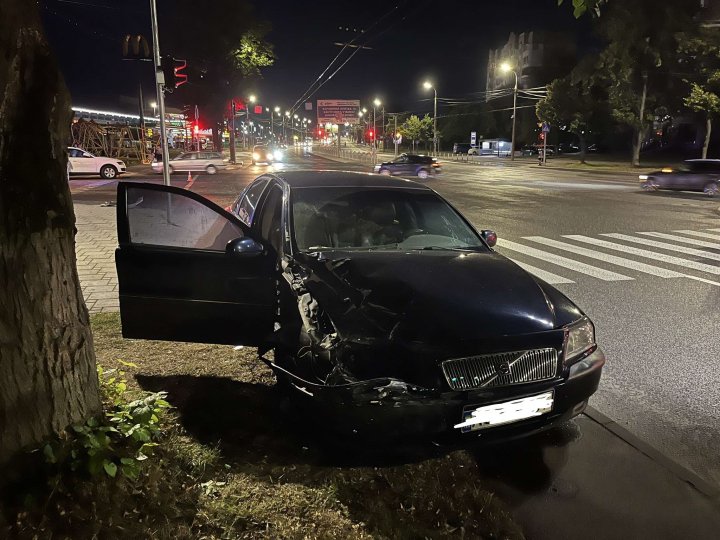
95,245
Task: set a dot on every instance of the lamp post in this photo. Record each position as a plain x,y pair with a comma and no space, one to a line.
376,103
287,115
276,110
428,85
505,68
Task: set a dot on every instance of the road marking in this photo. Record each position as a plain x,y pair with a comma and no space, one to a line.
648,254
612,259
664,245
716,230
570,264
580,185
701,234
552,279
691,241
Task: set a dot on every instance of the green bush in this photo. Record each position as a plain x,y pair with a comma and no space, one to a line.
118,441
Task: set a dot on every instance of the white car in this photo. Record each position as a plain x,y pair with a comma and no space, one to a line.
81,162
210,162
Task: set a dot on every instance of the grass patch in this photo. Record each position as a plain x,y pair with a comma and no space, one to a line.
235,461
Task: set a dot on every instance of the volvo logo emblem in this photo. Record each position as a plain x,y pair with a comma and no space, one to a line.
503,369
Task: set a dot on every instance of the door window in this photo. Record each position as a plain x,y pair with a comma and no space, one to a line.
175,220
245,209
270,223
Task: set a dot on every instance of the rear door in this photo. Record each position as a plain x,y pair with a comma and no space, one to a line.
177,282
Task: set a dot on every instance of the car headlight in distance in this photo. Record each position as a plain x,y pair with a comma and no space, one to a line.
256,156
277,155
269,157
579,340
643,177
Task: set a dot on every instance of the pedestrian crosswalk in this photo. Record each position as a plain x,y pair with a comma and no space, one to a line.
619,256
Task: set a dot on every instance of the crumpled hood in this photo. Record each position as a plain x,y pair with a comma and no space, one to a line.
432,296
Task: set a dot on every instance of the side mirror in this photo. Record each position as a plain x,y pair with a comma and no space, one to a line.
244,247
489,236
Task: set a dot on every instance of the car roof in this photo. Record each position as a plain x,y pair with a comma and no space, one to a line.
711,161
312,179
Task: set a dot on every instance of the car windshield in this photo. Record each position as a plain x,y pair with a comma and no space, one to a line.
376,218
699,166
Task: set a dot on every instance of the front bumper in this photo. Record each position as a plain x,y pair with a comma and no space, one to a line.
392,407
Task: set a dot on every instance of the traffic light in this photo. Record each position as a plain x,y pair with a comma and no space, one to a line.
174,75
196,128
136,48
180,77
371,135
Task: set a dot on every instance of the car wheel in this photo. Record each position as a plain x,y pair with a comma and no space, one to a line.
108,172
211,169
649,185
385,172
711,189
422,173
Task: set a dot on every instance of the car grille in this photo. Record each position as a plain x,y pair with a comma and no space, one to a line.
501,369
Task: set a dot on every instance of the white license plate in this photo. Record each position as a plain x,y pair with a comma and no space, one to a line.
507,412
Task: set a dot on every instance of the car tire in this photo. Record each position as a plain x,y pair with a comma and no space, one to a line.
385,172
211,169
711,189
108,172
423,173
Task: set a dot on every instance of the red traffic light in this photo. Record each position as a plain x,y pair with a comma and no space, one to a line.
371,134
196,129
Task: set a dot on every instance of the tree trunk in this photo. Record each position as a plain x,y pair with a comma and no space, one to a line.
641,125
708,131
583,147
47,363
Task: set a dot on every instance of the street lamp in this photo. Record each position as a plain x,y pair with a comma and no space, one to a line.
376,103
428,85
505,68
153,104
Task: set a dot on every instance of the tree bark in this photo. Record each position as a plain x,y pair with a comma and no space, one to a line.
641,125
583,147
708,131
47,363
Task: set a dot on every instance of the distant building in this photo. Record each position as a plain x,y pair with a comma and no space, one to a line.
537,57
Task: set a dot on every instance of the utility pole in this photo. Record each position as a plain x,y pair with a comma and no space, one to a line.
160,87
232,131
395,138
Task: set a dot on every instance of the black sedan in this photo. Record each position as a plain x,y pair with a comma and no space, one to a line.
692,175
410,165
382,305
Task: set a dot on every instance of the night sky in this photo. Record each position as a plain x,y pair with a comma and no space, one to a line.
446,41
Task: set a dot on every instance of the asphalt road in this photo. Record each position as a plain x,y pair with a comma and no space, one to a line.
652,291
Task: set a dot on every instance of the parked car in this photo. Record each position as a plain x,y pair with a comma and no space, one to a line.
262,153
385,309
210,162
692,175
410,165
465,148
82,163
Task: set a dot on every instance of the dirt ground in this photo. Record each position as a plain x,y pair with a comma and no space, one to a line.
270,471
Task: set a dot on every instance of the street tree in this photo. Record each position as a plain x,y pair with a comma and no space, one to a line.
412,129
47,363
581,7
637,65
226,52
573,104
701,58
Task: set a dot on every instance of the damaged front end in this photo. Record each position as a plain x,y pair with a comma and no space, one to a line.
362,340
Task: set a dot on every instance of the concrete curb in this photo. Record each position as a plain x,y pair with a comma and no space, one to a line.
709,490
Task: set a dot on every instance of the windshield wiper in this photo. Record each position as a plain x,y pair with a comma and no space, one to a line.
448,248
